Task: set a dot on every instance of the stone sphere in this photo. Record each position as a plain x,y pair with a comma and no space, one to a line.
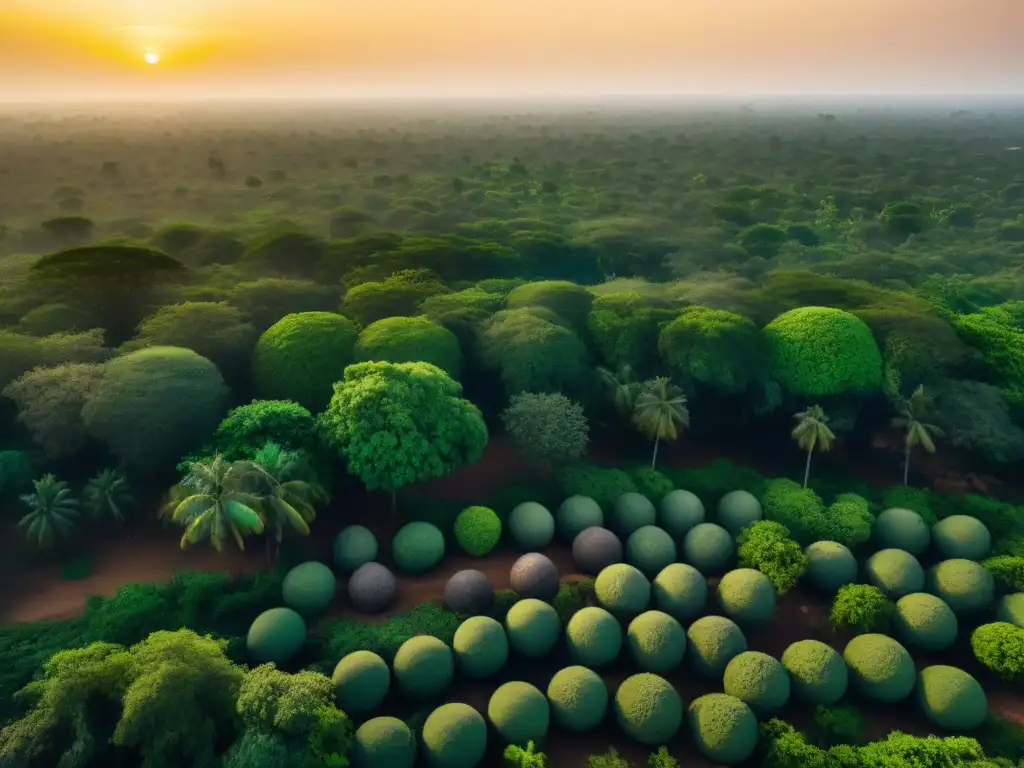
372,588
469,592
594,549
534,575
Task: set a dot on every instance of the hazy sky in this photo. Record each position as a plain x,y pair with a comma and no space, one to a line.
95,48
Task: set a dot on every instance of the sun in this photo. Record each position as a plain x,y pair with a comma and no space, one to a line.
152,57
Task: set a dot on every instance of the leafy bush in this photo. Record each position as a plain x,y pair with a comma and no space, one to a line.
746,596
575,514
847,521
765,545
962,536
533,628
650,549
477,530
651,483
247,428
951,698
519,713
417,547
711,483
819,351
578,698
737,510
409,340
925,621
898,528
454,736
547,426
1007,570
656,642
301,356
880,668
573,596
532,526
623,590
838,725
721,349
895,572
862,608
276,635
604,486
830,565
424,666
679,511
361,681
999,646
965,585
818,674
723,728
481,647
908,497
566,299
528,757
708,547
384,741
758,680
610,759
713,641
680,591
347,635
648,708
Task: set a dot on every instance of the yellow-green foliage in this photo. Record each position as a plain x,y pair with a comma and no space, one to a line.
533,628
519,713
758,680
648,708
656,642
622,590
925,621
965,585
410,340
566,299
424,666
361,681
963,537
712,642
454,736
680,591
817,673
481,647
830,565
384,741
1011,609
951,698
723,728
714,347
895,572
747,596
477,530
578,698
880,668
594,637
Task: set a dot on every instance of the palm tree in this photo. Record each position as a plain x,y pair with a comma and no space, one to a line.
812,432
107,495
918,432
286,489
660,412
53,512
213,502
621,387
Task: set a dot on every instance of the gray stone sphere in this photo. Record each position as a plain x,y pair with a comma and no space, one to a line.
594,549
372,588
534,575
469,592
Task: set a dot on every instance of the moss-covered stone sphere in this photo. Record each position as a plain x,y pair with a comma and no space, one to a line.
275,635
737,510
355,545
623,590
708,548
372,588
758,680
962,536
817,673
417,547
650,549
477,530
951,698
576,514
899,528
1011,609
519,713
532,526
656,642
632,511
747,596
681,591
384,741
481,647
830,565
880,668
679,511
361,681
648,709
454,736
578,698
309,588
534,575
594,549
924,622
594,637
966,586
712,642
424,666
533,628
723,728
895,572
469,592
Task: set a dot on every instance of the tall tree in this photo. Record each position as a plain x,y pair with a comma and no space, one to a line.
53,512
917,431
660,412
108,496
621,387
812,432
287,491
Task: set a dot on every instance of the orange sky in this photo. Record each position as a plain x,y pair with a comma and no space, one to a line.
83,48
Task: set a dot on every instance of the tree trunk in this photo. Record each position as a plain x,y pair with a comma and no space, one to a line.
807,467
654,458
906,466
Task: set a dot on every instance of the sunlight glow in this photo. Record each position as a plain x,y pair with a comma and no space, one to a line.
152,57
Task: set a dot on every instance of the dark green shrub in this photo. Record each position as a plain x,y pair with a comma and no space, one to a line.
898,528
604,486
723,728
309,588
575,514
651,483
965,585
765,546
1000,647
409,340
737,510
519,713
838,725
477,530
962,537
711,483
631,512
830,565
532,526
708,547
417,547
361,681
355,545
424,666
594,637
533,628
951,698
680,591
817,673
454,736
276,635
758,680
385,638
650,549
895,572
1008,572
925,621
16,474
247,428
384,741
572,597
679,511
610,759
1011,609
622,590
712,642
301,356
747,596
648,709
562,297
908,497
880,668
481,647
578,698
656,642
860,607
